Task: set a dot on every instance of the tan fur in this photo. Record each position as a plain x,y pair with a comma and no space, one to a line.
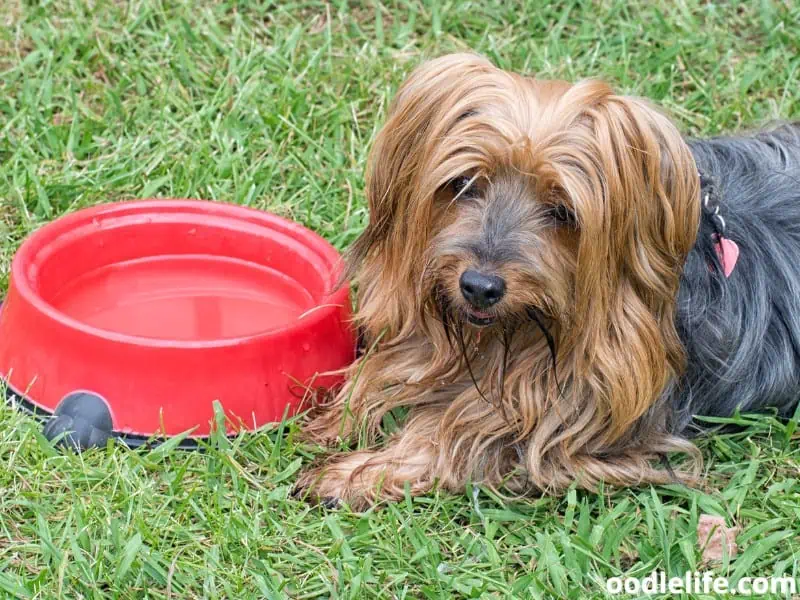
606,288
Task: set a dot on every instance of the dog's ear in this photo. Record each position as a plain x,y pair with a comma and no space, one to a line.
419,114
634,184
385,259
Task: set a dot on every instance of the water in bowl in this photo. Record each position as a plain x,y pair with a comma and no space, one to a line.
184,297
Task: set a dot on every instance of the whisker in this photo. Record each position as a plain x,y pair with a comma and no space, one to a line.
462,344
535,316
504,367
506,341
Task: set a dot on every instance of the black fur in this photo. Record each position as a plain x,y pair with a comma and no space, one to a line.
742,334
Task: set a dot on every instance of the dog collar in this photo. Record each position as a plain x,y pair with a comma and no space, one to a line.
727,250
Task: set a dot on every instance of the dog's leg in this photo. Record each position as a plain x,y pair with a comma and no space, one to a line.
328,423
364,477
374,387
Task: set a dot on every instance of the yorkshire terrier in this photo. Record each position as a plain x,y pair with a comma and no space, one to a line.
553,283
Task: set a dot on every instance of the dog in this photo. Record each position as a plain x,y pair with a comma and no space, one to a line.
552,284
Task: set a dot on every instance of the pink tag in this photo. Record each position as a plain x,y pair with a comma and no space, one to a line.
728,254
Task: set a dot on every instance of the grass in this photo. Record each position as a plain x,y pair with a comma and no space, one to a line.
273,105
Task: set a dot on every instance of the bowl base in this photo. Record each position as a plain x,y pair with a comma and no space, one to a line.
133,441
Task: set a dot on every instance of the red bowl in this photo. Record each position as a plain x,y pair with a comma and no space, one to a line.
161,307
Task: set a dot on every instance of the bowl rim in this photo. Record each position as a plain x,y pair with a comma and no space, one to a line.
331,302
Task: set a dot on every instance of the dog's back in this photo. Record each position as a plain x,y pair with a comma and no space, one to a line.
742,333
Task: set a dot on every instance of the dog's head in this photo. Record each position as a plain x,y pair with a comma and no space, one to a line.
495,197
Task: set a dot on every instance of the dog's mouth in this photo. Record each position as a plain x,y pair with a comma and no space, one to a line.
479,318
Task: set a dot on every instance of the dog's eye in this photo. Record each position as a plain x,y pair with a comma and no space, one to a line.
461,185
562,215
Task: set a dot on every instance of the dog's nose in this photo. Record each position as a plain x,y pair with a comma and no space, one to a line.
481,291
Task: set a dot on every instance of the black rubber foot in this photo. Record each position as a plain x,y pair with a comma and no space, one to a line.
85,420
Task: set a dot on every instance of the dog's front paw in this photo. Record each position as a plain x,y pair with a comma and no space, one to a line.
338,482
303,491
316,486
331,503
365,477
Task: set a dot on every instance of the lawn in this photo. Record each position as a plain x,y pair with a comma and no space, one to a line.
274,105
